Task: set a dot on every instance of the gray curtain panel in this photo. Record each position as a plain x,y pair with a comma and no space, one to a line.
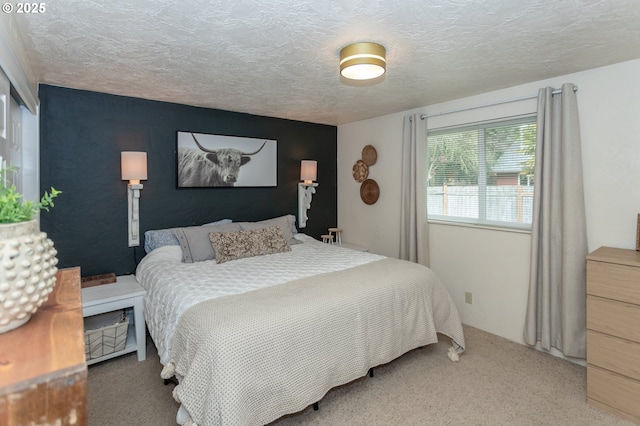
557,289
414,245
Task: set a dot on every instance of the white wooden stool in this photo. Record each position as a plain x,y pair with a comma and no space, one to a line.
338,233
328,239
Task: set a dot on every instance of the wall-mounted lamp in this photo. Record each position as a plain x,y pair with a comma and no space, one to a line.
306,189
134,169
363,61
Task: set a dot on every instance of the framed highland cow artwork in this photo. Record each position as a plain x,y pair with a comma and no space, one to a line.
211,161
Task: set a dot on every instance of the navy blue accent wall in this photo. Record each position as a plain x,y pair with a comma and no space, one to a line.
82,134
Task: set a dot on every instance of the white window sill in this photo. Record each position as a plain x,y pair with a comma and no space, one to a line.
479,226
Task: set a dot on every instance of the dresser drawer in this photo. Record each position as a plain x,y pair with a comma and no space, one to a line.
619,282
618,392
615,318
618,355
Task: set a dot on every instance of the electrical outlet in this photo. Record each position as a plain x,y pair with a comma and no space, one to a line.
468,297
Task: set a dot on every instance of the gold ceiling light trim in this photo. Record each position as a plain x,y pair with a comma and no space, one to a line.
363,61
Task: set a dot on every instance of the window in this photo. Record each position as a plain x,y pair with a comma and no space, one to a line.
483,174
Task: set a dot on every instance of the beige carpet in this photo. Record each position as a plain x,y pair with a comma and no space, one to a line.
496,382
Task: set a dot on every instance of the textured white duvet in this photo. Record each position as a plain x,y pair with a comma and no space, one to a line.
250,358
169,282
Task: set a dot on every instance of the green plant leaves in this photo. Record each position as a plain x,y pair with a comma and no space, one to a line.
12,206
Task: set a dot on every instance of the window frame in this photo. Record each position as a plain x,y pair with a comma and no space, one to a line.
481,221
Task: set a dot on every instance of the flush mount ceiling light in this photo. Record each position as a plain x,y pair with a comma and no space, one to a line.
363,61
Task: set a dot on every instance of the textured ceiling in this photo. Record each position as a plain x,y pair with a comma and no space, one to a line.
279,58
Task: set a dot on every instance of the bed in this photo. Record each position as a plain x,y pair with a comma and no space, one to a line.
253,338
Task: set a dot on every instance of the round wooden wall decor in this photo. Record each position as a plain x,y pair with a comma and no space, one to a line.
360,171
369,191
369,155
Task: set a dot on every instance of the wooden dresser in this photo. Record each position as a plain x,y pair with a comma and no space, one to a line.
613,331
43,373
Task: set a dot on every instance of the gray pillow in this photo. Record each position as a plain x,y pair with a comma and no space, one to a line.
285,224
164,237
218,222
195,243
292,220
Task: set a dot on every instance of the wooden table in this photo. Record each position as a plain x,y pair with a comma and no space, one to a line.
43,373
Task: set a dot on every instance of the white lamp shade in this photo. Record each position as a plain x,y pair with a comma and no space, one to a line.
133,165
308,170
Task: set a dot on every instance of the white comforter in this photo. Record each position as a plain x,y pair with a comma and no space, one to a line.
171,283
252,358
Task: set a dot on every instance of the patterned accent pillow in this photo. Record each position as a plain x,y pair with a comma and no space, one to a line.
240,244
155,238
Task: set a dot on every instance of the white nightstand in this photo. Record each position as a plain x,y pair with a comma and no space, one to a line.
125,293
352,246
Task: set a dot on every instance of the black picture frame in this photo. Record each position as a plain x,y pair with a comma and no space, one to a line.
206,160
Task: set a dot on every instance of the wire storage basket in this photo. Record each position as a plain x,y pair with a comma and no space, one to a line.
106,339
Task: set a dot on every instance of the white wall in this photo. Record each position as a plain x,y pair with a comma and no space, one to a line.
494,265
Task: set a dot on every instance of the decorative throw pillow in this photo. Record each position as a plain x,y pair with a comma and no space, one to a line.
195,243
240,244
285,223
155,238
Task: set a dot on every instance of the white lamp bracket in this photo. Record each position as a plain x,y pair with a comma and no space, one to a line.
133,198
305,193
